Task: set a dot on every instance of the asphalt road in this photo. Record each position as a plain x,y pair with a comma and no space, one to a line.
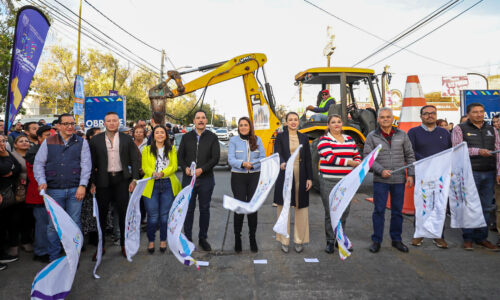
423,273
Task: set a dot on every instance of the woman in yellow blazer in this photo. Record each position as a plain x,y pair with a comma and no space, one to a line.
159,160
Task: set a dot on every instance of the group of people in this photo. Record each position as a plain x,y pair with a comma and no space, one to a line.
71,169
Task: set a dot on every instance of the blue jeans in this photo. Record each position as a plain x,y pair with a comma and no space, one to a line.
485,184
380,193
66,199
41,244
158,208
203,190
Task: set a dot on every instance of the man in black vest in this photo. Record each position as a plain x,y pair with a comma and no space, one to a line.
115,167
62,168
481,139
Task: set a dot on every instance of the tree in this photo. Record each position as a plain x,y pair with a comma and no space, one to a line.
56,76
137,110
7,23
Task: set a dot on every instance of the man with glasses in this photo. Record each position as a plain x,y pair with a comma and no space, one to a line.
62,168
426,140
324,105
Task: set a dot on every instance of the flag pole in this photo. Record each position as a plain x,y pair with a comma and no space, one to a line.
402,168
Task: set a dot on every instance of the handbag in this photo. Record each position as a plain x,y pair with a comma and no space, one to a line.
20,192
8,197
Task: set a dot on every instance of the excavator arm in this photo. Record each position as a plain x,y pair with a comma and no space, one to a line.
261,110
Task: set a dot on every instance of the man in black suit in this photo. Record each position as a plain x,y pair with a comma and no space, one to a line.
115,169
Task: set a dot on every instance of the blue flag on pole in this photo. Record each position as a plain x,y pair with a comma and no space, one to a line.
29,38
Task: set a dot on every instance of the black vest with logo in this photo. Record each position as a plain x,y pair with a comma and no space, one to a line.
483,138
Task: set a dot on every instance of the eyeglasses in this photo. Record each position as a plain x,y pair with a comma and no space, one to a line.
68,124
425,114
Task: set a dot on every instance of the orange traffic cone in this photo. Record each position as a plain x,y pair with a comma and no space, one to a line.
413,101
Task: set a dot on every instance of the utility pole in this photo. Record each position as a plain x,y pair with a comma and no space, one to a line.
79,33
384,83
114,76
329,48
162,64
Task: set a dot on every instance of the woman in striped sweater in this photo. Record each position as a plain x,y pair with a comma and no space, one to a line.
338,156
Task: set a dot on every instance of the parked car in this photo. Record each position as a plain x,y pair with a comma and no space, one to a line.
233,132
223,149
222,134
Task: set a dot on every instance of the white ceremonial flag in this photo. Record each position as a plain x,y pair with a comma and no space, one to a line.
465,205
133,220
95,213
269,171
432,186
281,225
180,246
341,195
55,280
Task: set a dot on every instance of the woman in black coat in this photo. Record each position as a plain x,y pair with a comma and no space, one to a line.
285,144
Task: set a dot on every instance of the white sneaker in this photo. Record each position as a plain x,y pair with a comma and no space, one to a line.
284,248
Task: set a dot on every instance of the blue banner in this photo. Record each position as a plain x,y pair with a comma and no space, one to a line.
79,96
96,109
29,38
489,98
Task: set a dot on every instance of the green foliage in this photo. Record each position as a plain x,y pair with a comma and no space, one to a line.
7,23
137,110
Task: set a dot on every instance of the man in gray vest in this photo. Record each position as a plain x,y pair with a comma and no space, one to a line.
481,140
62,168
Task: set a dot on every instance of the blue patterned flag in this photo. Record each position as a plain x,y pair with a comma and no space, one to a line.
55,280
29,38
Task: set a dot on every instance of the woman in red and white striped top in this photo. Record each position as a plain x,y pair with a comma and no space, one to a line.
338,156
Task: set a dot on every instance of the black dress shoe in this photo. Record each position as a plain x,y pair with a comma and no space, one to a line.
400,246
337,246
151,250
330,248
204,245
375,247
41,258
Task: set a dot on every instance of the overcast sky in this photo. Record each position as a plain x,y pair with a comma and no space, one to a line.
292,33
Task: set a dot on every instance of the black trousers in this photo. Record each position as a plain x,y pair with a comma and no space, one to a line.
117,192
244,186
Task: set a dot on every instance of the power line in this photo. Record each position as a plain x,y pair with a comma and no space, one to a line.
430,32
102,42
107,36
380,38
124,30
412,28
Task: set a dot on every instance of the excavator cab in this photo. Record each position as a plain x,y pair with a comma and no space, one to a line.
350,87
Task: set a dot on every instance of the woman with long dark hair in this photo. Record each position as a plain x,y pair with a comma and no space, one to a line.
338,156
159,160
285,144
244,155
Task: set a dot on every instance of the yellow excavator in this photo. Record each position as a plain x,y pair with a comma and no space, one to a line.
348,83
261,108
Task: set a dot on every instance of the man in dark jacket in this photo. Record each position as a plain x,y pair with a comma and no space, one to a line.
115,167
396,152
202,147
481,140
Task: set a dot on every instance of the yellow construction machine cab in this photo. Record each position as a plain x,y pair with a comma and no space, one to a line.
347,86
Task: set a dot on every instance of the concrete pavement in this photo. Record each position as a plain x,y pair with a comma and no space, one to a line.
424,272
